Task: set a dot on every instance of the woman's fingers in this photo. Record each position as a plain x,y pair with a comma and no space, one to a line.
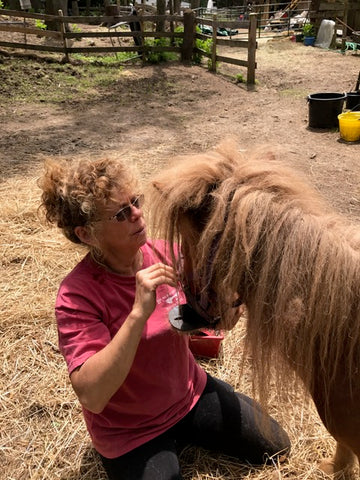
147,281
156,275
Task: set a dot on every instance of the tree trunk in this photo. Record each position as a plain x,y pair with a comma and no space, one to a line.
75,8
51,8
14,5
161,5
36,5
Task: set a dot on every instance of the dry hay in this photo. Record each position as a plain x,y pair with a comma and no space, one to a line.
42,434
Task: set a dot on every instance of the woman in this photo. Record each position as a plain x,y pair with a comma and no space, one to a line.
142,393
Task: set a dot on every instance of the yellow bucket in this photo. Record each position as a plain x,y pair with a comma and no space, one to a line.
349,124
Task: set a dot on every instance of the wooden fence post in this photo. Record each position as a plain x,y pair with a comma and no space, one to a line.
142,40
213,48
250,80
63,31
189,36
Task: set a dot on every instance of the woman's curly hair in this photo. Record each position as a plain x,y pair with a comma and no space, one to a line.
73,192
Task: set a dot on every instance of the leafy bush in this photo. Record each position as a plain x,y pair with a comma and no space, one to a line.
75,28
205,45
40,24
308,30
239,78
158,57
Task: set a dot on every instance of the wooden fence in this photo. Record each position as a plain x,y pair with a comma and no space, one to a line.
24,23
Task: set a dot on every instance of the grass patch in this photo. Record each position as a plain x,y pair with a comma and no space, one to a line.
28,81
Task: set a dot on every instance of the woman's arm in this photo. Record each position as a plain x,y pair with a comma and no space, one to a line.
96,381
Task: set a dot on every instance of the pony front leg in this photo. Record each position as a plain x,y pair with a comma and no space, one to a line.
343,462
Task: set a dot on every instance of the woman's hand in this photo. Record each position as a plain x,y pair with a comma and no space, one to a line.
96,381
147,280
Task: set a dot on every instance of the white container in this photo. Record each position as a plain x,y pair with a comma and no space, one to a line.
25,4
325,34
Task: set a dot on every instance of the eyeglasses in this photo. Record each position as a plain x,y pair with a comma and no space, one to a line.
125,212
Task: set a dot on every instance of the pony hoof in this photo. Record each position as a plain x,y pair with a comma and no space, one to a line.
328,466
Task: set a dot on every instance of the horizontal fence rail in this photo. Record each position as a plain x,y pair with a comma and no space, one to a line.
141,27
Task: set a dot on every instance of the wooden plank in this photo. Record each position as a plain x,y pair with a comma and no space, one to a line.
164,49
125,18
345,30
202,52
252,49
90,50
233,43
31,31
115,34
203,21
233,61
29,46
331,7
213,49
91,20
64,39
329,15
233,24
189,32
135,48
21,14
202,36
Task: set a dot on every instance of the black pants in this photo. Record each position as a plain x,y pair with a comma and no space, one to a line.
222,421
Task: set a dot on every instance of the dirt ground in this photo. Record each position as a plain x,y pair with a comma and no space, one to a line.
146,115
159,111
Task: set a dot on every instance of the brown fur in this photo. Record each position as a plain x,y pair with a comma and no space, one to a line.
293,261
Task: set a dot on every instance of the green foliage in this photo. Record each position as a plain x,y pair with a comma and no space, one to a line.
308,30
103,60
75,28
239,77
205,45
158,57
1,4
40,24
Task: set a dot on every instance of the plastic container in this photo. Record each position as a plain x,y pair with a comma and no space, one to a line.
309,41
325,34
324,109
206,343
349,124
353,101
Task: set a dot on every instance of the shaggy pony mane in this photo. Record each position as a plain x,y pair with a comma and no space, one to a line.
263,234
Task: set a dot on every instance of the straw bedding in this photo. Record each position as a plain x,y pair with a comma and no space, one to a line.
42,435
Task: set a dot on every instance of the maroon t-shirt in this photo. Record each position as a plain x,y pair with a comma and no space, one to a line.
164,382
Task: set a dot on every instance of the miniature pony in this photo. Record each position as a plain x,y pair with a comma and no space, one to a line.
253,230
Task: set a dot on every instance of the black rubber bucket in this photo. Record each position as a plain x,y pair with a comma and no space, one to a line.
353,101
324,109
